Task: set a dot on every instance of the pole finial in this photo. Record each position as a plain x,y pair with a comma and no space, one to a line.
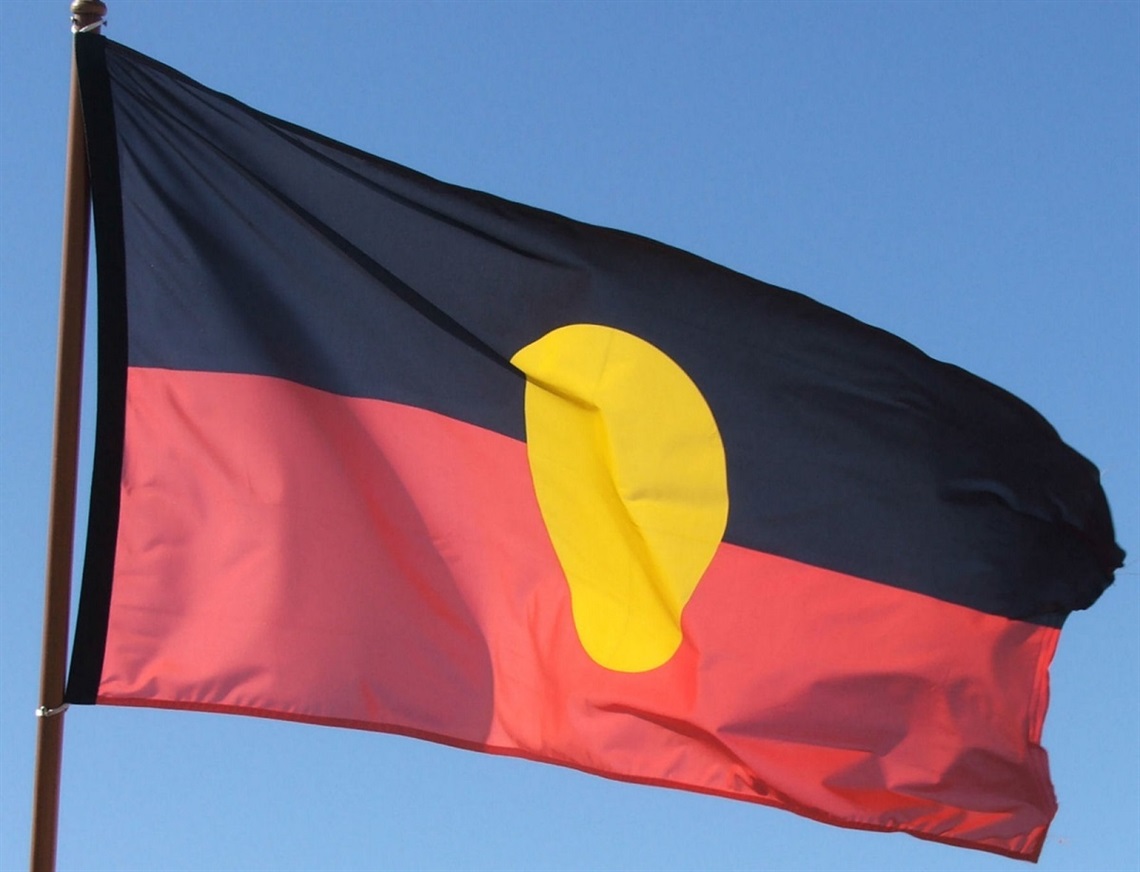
87,15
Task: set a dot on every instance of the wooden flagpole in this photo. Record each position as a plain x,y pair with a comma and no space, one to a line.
85,15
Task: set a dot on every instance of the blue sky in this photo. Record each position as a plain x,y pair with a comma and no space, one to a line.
964,175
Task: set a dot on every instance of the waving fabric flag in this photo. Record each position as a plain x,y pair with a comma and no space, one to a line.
380,452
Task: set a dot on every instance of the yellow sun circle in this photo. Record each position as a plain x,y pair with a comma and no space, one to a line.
629,471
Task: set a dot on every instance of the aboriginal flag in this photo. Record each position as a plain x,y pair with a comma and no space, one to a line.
380,452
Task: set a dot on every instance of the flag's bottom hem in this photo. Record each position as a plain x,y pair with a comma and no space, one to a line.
782,803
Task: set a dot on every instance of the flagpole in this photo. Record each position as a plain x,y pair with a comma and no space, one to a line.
85,15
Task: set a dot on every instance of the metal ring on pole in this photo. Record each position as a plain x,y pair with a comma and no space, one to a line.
44,712
87,28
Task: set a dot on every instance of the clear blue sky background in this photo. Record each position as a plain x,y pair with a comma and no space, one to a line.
964,175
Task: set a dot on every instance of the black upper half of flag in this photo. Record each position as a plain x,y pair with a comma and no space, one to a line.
230,241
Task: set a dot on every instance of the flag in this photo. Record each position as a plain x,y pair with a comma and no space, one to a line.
380,452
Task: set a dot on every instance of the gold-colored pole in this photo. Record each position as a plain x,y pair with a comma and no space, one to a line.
69,378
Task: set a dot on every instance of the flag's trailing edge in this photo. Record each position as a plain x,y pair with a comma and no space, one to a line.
380,452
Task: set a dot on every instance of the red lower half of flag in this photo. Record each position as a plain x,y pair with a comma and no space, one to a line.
289,553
